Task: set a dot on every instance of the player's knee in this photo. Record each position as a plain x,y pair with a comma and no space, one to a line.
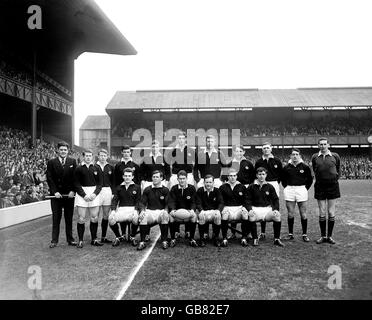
217,218
290,215
276,216
201,217
171,219
193,218
81,220
164,218
94,219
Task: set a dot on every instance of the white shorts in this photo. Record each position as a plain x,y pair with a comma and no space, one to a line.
295,193
235,212
210,216
217,183
80,202
152,216
262,212
184,215
275,184
145,184
123,214
173,180
105,196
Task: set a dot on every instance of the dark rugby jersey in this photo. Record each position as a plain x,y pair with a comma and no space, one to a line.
87,177
182,160
299,175
179,199
126,197
262,196
107,175
326,168
119,171
273,166
245,170
211,201
154,198
211,165
148,166
234,197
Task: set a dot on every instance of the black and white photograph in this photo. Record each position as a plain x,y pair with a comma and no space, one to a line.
199,151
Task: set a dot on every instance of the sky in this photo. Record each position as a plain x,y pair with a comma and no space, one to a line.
234,44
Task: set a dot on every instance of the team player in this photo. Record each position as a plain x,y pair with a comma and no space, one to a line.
296,180
154,161
263,205
246,174
88,185
125,206
274,168
107,171
182,206
210,161
234,196
125,162
326,166
208,209
153,210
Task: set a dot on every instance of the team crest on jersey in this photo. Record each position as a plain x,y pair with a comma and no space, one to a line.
134,192
214,199
188,197
246,168
95,172
267,192
109,172
275,166
162,197
240,193
302,171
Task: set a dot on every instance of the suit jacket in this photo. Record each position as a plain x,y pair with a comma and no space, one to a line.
61,178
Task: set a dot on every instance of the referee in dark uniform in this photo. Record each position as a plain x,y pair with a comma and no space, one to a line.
274,168
60,178
326,166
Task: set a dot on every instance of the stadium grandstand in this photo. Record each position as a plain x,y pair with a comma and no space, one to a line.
37,84
94,133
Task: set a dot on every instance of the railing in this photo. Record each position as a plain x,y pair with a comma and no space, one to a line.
23,91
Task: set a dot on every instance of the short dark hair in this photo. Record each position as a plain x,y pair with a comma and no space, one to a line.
261,169
62,144
208,176
267,143
181,173
128,170
322,138
238,146
102,150
296,149
87,151
126,147
156,172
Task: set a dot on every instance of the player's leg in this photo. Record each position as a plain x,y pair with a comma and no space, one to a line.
144,226
274,216
132,219
192,226
216,227
82,211
331,219
302,207
224,226
163,221
233,225
172,229
104,223
291,207
93,226
243,216
202,216
253,219
322,204
114,225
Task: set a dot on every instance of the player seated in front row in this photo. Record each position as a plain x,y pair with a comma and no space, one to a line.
124,206
153,210
235,207
181,206
263,205
208,208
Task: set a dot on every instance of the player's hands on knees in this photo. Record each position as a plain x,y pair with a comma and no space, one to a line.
173,213
251,213
244,210
225,211
92,196
276,213
58,195
71,194
141,215
87,198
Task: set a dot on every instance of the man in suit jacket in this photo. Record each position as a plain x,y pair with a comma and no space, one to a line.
60,178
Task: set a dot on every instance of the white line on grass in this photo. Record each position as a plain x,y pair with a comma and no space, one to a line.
135,271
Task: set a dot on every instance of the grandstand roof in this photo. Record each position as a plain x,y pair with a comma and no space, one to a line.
69,28
96,123
242,98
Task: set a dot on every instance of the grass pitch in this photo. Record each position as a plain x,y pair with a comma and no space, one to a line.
297,271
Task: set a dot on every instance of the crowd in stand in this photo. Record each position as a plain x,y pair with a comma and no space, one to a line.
23,166
21,76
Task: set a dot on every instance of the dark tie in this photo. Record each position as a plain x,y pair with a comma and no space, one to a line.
63,161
